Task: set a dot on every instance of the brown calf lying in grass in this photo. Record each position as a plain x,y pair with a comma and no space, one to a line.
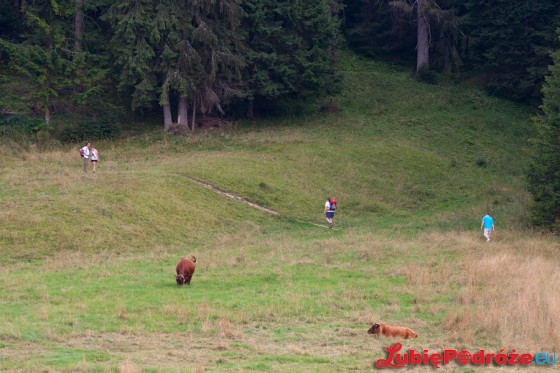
185,269
391,331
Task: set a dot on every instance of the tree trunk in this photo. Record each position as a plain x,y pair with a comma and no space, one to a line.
182,112
47,115
78,25
193,113
219,108
250,109
423,39
167,121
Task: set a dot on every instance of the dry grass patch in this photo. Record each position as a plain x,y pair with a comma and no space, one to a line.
196,351
509,289
129,367
509,297
226,329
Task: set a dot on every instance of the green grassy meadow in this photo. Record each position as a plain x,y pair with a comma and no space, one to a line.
88,261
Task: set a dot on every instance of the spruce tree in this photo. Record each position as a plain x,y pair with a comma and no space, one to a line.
407,31
11,25
376,29
509,43
291,49
134,51
169,49
43,52
544,172
217,47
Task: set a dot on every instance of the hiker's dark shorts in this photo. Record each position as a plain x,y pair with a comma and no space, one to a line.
330,214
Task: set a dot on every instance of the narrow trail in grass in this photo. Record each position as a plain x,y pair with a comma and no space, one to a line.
217,190
221,192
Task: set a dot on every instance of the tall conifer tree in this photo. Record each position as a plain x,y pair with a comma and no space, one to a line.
291,49
404,29
43,53
183,49
509,44
544,172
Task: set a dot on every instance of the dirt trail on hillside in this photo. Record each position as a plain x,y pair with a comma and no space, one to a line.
219,191
215,189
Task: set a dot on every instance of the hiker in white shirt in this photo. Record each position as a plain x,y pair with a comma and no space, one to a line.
85,155
330,207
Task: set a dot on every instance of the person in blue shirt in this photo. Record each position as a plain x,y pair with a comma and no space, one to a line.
488,226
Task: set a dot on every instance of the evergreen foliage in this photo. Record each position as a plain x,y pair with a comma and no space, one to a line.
169,48
388,30
509,44
134,50
13,127
500,44
11,25
216,47
104,127
544,172
197,55
42,54
291,49
374,28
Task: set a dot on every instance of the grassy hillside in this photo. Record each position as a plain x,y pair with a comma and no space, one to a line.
88,260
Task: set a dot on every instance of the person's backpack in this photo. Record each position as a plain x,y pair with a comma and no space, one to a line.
82,152
332,202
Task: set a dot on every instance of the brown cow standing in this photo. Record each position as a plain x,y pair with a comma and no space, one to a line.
391,331
185,269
